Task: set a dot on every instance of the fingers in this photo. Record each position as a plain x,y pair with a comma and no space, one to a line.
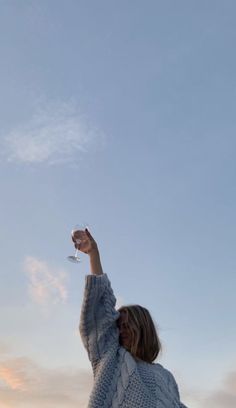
77,245
82,236
78,235
88,234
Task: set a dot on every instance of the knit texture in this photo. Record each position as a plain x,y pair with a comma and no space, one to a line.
119,380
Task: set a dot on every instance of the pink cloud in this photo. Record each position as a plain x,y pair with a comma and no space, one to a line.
225,397
25,384
46,285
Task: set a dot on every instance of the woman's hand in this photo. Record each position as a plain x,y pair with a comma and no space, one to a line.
89,246
87,243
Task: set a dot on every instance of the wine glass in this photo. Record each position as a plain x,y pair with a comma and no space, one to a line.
79,229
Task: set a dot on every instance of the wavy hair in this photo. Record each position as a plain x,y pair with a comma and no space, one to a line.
145,343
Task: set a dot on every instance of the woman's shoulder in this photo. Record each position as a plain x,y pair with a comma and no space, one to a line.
169,378
164,370
160,369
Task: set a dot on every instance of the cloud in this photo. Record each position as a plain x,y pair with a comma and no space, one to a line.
56,133
224,397
25,384
4,348
46,285
10,377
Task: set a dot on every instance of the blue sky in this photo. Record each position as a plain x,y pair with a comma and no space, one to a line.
121,115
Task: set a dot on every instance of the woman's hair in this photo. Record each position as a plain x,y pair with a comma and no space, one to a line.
145,343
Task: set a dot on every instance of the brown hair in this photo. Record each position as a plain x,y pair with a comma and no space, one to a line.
145,343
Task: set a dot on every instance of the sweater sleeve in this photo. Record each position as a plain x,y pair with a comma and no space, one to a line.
98,328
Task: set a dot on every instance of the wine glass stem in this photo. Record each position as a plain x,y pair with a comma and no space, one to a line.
76,253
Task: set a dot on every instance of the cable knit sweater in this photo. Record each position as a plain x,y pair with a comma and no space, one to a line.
119,380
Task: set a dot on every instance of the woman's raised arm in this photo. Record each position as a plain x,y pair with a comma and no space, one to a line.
98,320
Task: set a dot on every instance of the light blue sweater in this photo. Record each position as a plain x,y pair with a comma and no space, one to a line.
119,380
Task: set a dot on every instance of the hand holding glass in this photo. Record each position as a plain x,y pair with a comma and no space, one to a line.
79,237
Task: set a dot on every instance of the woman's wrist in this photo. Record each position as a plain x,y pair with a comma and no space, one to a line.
95,262
94,251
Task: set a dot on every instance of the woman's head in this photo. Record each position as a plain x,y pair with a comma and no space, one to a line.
138,333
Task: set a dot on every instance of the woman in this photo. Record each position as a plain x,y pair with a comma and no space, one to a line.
121,344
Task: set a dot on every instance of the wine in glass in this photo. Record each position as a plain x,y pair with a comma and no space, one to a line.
79,229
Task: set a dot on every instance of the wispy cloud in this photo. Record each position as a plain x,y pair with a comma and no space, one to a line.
4,348
11,378
46,285
26,384
224,397
56,133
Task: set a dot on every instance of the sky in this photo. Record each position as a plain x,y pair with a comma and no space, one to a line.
119,115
